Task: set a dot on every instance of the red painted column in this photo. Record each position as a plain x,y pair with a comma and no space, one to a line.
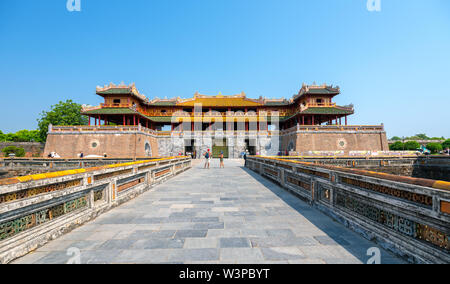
124,122
345,120
303,120
139,120
313,120
89,120
134,120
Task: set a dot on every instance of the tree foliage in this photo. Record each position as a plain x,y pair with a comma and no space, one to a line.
420,137
446,144
412,145
19,152
64,113
434,147
397,146
21,136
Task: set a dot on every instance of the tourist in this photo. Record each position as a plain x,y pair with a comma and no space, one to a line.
207,158
221,160
104,155
81,155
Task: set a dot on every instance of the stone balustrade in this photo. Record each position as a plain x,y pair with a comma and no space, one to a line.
408,216
55,164
38,208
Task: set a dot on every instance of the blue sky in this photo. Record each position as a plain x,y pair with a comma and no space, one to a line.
393,65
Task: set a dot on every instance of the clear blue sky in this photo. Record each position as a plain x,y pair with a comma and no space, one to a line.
392,65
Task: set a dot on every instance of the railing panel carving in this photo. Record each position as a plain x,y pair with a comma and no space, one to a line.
78,194
410,215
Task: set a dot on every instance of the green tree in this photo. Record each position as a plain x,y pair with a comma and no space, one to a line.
27,136
412,145
9,137
434,147
420,137
64,113
396,138
397,146
446,144
2,136
19,152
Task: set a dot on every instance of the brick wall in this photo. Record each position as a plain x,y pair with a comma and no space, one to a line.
119,145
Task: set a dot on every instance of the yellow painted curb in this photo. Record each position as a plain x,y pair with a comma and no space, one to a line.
442,185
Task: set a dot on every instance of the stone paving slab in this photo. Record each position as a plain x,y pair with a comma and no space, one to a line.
229,216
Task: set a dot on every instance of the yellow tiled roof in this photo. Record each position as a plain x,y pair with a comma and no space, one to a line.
221,102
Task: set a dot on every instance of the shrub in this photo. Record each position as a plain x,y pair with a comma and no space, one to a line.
434,147
397,146
446,144
412,145
19,152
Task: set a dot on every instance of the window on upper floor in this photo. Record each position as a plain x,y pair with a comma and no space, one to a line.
319,101
116,101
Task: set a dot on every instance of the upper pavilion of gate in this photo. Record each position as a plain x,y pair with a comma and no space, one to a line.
125,105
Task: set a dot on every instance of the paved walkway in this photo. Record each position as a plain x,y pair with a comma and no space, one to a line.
227,215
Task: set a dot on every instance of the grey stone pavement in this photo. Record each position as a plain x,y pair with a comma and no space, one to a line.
229,216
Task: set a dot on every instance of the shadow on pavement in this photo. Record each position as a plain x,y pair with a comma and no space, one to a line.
354,243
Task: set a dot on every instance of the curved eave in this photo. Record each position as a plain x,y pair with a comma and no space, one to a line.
327,110
109,111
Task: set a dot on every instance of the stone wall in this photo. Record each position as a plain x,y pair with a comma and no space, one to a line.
172,146
346,141
120,141
117,145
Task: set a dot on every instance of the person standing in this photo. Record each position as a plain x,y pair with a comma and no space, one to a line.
207,159
221,160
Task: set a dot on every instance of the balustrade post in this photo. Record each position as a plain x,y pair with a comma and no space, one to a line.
313,189
112,191
91,199
148,178
282,177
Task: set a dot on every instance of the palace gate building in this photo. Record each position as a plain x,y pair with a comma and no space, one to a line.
128,124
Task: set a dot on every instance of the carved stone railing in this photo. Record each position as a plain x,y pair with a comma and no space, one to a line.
53,164
36,209
408,216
